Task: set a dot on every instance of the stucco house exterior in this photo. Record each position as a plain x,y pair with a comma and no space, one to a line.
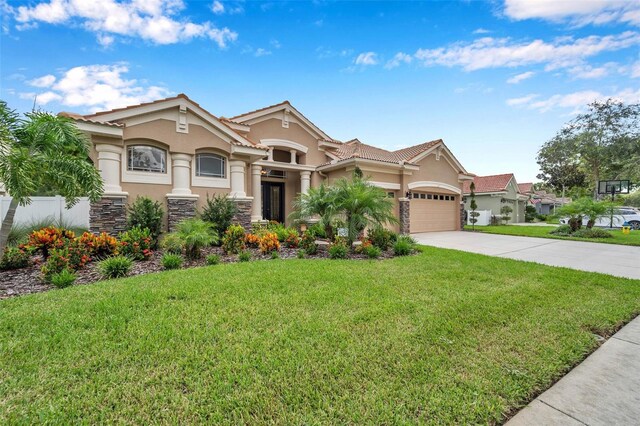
544,202
495,191
176,152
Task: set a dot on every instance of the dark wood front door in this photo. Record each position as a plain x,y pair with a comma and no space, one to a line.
273,201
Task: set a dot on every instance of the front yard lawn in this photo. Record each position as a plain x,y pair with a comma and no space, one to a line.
632,239
441,337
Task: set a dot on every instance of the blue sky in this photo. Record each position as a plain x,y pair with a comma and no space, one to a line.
494,79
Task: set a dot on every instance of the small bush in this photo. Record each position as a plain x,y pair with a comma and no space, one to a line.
244,256
338,250
172,243
317,230
252,240
115,267
63,279
47,239
308,242
381,237
233,240
279,229
14,258
219,211
99,246
291,239
213,259
301,254
195,234
269,243
592,233
562,230
404,245
72,255
275,255
146,213
136,243
373,252
363,246
171,261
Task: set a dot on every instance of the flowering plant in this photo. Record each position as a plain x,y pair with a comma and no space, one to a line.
269,243
252,240
48,238
103,245
136,243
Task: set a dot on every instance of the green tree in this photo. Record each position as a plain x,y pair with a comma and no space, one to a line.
146,213
317,203
585,207
474,206
632,199
505,213
43,150
560,167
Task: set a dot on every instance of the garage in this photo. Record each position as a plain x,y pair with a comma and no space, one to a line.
432,211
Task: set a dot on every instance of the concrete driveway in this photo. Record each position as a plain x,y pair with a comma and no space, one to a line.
612,259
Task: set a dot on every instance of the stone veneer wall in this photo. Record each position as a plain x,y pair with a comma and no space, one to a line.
179,209
243,216
462,222
108,215
405,207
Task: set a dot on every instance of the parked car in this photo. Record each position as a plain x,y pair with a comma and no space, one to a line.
620,216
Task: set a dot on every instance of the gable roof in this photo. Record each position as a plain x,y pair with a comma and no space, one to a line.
525,188
493,183
356,149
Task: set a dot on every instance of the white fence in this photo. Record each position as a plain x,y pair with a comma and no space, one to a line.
483,220
48,209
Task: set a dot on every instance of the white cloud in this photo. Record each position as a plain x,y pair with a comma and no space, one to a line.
585,71
217,7
491,52
366,58
156,21
262,52
398,59
96,87
275,44
521,101
577,101
324,53
576,12
44,81
481,31
520,77
635,70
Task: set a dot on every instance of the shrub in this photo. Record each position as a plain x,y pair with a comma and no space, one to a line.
46,239
219,211
308,242
252,240
213,259
592,233
404,245
279,229
171,261
529,213
291,240
363,246
373,252
146,213
317,230
338,250
172,243
275,255
99,246
136,243
19,233
195,234
115,267
64,278
562,230
301,254
269,243
14,258
244,256
381,237
233,240
72,255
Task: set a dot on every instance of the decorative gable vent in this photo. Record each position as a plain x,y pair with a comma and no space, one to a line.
181,125
285,119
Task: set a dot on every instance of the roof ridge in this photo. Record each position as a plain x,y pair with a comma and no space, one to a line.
285,102
157,101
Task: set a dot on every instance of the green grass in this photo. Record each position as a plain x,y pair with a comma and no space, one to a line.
442,337
632,239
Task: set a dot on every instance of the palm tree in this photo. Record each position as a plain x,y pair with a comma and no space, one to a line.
317,202
39,151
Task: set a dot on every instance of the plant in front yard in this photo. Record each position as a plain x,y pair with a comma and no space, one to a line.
592,233
474,207
195,234
171,261
275,255
562,230
43,152
505,213
301,254
252,240
269,243
115,267
14,258
244,256
308,242
64,278
233,240
146,213
292,240
529,213
99,246
381,237
172,243
46,239
219,211
404,245
372,252
316,202
136,243
339,249
213,259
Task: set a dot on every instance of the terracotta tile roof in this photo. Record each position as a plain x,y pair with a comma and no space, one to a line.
356,149
180,95
494,183
525,188
79,117
285,102
408,154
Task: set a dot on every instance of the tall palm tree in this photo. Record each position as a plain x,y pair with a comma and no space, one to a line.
42,150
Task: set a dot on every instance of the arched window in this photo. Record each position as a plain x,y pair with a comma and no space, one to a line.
211,165
146,158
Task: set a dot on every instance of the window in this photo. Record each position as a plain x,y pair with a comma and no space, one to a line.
416,195
441,197
211,165
423,196
429,196
145,158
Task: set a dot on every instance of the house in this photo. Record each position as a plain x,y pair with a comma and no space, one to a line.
544,203
495,191
176,152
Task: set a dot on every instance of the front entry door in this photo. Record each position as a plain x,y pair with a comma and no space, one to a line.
273,201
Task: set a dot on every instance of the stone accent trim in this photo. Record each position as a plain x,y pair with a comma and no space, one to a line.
405,207
108,215
179,209
243,215
462,212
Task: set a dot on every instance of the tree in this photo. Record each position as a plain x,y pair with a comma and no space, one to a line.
43,150
584,207
316,203
505,213
474,206
633,199
560,165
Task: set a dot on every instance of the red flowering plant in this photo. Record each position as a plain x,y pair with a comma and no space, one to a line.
269,243
292,240
73,255
100,246
46,239
136,243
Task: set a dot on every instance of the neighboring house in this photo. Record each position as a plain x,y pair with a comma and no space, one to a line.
494,192
176,152
544,203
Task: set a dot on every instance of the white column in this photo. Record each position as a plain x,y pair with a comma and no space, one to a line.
293,156
256,191
305,181
109,158
270,156
237,179
181,168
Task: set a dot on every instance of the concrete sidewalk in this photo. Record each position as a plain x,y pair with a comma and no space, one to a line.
603,390
617,260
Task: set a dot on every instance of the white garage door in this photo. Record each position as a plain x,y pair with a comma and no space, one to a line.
434,212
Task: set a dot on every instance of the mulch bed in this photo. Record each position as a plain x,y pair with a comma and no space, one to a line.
27,280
